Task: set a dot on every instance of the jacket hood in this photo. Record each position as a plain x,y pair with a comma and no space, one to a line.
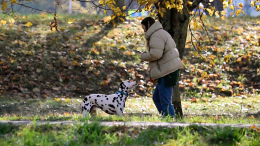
157,25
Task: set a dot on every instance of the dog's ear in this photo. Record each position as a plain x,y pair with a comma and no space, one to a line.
122,85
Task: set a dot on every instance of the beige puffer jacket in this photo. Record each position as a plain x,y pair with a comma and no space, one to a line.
163,55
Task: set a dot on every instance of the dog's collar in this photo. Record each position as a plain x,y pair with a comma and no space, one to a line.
122,93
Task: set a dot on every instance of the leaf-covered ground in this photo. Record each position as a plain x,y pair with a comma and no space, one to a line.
87,57
37,62
229,56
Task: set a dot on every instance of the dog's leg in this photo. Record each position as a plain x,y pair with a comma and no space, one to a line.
93,111
85,108
85,112
119,112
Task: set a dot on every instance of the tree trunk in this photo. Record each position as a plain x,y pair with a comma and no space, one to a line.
120,4
176,24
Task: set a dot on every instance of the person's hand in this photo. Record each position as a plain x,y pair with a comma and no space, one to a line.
139,52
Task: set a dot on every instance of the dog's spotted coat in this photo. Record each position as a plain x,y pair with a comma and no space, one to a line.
112,104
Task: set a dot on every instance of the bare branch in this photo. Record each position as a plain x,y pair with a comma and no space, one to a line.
23,5
129,5
92,2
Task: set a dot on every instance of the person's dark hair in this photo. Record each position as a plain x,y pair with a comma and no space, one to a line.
148,22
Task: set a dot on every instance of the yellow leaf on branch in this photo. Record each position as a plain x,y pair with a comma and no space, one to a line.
243,13
179,7
101,2
14,1
238,11
161,11
124,7
223,12
151,1
210,11
142,2
113,17
240,5
217,13
167,5
231,7
225,4
122,19
252,3
257,8
4,5
190,3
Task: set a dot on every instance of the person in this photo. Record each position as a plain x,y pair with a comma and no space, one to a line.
164,64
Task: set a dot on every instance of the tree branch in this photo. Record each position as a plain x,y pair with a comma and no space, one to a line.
129,5
23,5
99,6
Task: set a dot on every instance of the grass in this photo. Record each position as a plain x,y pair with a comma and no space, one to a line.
96,134
218,110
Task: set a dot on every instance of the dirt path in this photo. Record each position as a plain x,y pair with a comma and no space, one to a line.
135,124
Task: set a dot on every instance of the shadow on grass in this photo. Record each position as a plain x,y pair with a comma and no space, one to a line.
256,115
224,136
139,114
7,129
98,36
33,107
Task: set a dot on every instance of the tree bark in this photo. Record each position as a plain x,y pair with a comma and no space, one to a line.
120,4
176,24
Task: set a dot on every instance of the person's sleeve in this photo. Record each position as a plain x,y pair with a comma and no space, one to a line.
156,49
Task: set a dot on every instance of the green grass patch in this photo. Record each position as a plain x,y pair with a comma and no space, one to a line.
137,109
96,134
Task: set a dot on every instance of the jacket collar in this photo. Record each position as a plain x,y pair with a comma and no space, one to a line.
156,26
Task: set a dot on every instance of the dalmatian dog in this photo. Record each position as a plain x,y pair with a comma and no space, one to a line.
113,104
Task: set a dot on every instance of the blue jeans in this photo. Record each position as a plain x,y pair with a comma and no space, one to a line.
162,98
